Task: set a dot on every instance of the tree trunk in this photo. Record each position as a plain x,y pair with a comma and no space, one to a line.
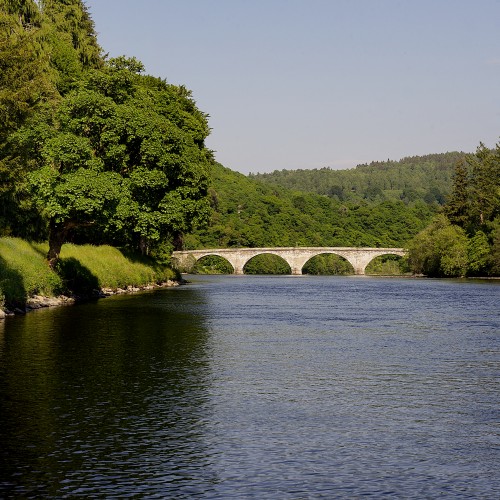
178,241
57,236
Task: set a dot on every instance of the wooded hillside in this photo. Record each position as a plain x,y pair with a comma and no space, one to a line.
428,178
248,212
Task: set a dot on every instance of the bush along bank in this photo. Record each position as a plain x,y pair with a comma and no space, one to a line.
83,272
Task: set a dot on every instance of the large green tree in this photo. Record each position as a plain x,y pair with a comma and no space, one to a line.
457,207
440,250
484,185
25,85
475,198
467,241
45,46
123,153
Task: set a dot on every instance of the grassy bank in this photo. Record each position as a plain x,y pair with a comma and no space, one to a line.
83,268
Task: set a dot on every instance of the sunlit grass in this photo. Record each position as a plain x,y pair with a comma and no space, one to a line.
114,269
24,271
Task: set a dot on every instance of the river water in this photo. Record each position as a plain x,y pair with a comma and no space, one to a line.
257,387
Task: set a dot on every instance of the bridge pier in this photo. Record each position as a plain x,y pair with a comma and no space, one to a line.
238,270
296,261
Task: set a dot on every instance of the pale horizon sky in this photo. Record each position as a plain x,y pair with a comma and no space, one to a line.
294,84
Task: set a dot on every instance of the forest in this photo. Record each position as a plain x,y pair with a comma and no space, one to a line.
250,213
445,208
95,151
419,177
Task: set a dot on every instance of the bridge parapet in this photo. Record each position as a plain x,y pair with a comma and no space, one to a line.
296,257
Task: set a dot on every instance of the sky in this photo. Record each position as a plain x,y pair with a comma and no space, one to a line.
294,84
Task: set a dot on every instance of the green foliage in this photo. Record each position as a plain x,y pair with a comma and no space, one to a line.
484,185
419,178
440,250
387,265
475,198
267,264
24,72
44,48
71,41
495,247
328,264
119,155
474,208
212,264
479,255
110,154
248,213
25,86
458,206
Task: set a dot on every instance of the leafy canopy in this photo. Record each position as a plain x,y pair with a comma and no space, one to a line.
122,151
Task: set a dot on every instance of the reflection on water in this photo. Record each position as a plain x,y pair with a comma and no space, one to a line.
99,395
265,387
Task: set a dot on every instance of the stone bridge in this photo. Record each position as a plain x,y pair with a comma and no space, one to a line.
296,257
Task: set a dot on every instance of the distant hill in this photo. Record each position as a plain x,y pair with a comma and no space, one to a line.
257,212
428,178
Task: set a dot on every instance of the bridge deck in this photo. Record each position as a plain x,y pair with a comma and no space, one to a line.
296,257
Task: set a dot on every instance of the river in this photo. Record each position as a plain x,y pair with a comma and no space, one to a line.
257,387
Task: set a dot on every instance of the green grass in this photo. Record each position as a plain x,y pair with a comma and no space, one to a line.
24,271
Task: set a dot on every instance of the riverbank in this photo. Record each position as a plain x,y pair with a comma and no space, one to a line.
40,301
84,272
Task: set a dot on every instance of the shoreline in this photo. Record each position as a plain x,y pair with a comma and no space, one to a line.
41,302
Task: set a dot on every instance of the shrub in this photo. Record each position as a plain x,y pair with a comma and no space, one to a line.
440,250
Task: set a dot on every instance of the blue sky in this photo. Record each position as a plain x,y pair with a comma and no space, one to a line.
321,83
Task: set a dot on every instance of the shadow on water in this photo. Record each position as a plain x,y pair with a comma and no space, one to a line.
11,285
101,390
76,277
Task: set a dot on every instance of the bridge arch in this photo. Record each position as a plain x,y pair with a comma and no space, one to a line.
267,263
213,264
327,263
385,251
386,264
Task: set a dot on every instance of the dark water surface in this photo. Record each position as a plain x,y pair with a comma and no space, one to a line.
257,387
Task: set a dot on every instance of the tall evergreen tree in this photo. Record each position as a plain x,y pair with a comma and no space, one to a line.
485,185
71,39
26,85
24,65
458,205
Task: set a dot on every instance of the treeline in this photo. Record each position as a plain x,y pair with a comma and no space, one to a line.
92,149
456,236
250,213
464,240
426,178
